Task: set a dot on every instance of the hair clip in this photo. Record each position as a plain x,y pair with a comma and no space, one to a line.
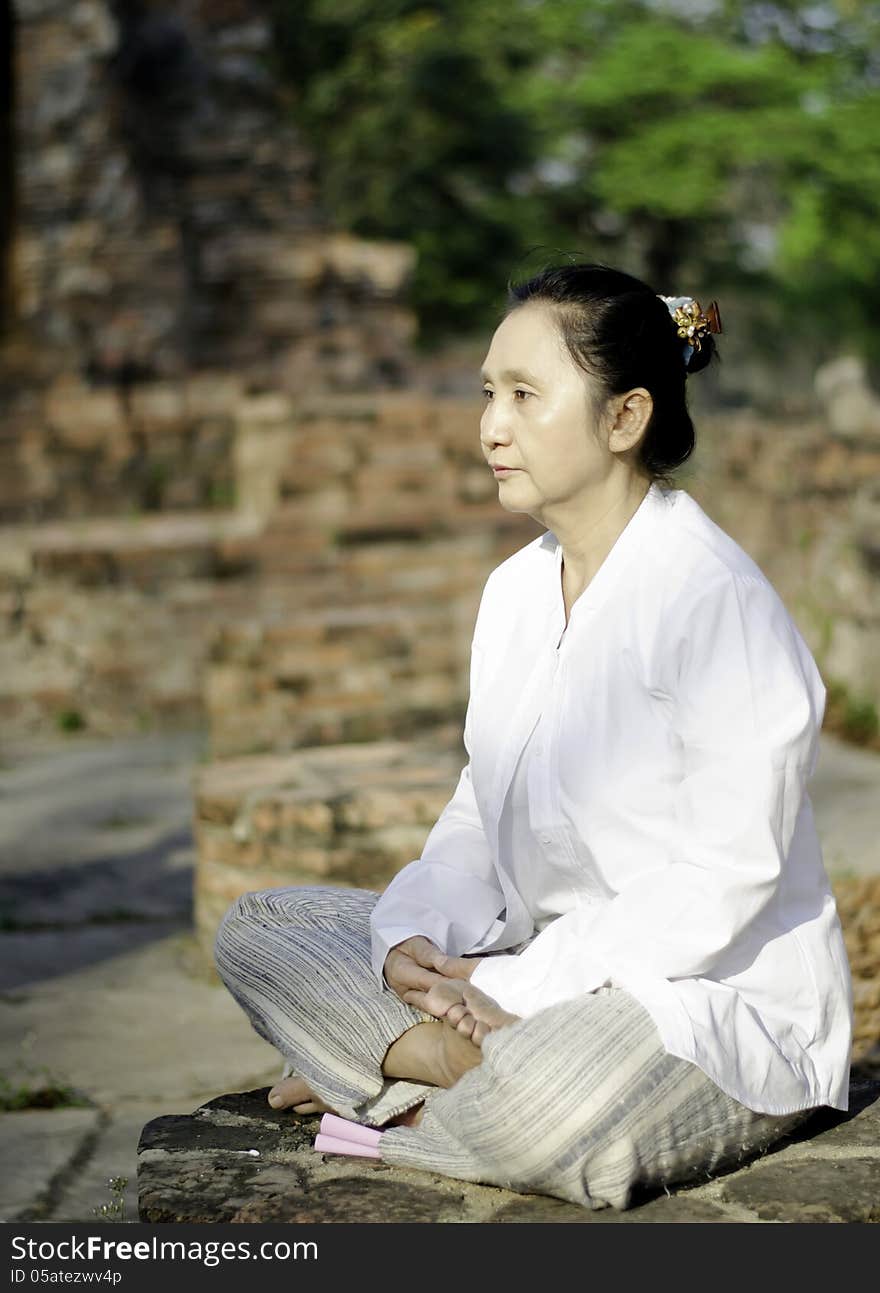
692,324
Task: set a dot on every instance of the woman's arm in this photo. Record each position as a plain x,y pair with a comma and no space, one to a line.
747,707
451,894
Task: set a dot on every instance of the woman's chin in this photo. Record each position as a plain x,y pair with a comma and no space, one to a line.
511,504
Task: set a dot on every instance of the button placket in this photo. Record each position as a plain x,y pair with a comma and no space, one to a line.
568,858
543,751
539,795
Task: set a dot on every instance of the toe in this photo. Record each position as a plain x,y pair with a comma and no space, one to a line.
466,1026
287,1092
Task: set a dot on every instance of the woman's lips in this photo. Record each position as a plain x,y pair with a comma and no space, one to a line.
504,471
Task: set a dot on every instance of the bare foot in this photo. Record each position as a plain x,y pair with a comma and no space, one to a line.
293,1093
430,1052
477,1015
461,1006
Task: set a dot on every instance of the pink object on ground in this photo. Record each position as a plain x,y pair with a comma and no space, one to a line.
331,1145
343,1129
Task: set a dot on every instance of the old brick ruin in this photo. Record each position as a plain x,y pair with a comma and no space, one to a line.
228,494
161,233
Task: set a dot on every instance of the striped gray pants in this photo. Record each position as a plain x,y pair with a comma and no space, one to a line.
580,1101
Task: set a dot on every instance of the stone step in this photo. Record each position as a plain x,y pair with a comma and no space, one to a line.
142,550
339,673
349,815
91,607
378,647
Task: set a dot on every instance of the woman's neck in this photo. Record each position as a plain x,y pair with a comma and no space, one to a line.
590,536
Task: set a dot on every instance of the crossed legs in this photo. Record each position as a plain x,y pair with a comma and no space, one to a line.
436,1053
297,960
580,1100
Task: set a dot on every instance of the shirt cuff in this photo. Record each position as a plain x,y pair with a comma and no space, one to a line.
493,975
524,990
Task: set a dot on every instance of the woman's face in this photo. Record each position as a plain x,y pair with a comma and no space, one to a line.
538,419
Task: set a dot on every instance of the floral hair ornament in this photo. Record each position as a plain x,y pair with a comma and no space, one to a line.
692,324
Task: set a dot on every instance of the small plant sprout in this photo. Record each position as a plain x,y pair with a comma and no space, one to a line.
115,1209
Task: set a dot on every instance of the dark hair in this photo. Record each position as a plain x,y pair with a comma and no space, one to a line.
618,330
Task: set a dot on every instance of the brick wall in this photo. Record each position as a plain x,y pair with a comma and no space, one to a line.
165,234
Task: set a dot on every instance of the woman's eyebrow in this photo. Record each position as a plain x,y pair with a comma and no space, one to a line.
512,375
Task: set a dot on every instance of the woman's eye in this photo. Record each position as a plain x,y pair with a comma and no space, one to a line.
518,391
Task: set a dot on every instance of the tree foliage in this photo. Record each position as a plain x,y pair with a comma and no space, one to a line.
716,142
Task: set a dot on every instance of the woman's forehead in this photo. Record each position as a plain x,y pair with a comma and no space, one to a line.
526,342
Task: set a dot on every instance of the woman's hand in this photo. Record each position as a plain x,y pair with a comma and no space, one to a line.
417,963
412,964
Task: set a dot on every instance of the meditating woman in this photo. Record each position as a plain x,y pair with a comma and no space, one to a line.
617,964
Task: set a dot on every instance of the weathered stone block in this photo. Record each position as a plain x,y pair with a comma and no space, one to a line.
237,1159
346,814
81,417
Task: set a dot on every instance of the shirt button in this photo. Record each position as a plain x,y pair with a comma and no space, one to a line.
545,839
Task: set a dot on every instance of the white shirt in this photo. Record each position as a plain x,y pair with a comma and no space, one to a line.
665,842
548,884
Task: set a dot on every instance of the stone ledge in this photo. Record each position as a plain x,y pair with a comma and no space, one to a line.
236,1159
350,814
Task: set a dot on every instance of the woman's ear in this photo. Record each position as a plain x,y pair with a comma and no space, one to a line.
632,413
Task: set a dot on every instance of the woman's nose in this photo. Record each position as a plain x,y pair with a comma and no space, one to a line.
493,428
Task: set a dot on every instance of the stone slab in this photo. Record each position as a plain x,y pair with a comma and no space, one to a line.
114,1155
76,805
843,1189
31,959
138,1026
35,1145
678,1209
235,1159
857,1128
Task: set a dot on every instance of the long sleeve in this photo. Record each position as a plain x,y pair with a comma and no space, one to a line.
451,894
745,703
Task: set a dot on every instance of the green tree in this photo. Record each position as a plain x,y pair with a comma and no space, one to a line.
414,135
724,143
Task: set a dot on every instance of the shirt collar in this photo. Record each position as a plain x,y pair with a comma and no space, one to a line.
632,540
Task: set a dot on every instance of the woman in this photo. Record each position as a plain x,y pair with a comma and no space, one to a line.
618,963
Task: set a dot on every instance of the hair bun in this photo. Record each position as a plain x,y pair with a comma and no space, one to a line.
697,360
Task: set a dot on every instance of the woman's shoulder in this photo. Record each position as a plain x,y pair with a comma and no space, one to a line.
699,553
529,561
716,592
683,555
695,585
